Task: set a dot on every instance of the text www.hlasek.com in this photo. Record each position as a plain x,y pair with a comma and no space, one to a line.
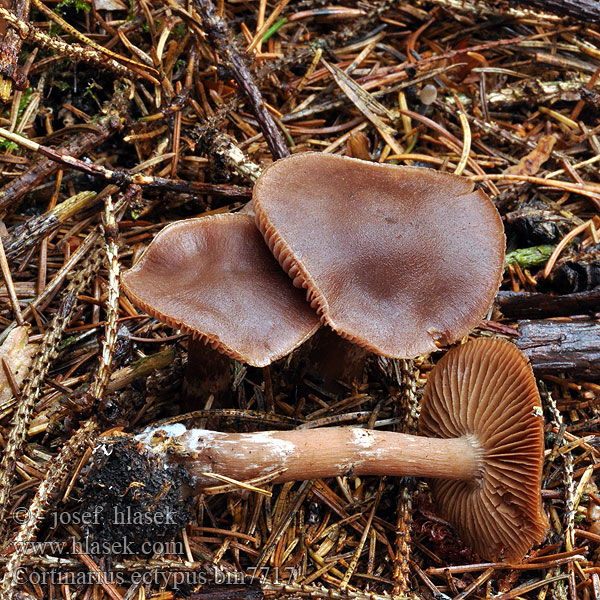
93,547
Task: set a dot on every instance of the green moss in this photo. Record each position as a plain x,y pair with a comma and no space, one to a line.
535,256
6,145
78,5
180,30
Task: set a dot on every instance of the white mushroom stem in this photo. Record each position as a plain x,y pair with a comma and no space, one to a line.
315,453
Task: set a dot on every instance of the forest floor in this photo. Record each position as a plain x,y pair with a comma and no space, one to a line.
119,118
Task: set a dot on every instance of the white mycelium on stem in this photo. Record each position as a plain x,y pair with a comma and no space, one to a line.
481,446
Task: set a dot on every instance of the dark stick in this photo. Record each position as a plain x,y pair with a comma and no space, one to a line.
107,124
584,10
185,187
533,305
28,234
554,347
45,168
218,35
119,177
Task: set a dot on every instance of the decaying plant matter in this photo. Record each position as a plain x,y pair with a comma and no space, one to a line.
169,110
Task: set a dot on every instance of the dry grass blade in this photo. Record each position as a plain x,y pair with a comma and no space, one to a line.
56,476
8,282
234,483
359,548
251,484
112,302
16,354
284,521
466,146
367,105
31,391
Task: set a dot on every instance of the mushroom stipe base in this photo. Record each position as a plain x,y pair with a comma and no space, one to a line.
135,499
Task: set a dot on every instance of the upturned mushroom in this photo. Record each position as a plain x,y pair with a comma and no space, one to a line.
215,279
397,259
484,453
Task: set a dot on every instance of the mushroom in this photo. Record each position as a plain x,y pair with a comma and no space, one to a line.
482,411
397,259
486,389
215,279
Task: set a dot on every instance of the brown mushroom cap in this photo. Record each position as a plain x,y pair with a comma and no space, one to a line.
215,278
393,258
486,390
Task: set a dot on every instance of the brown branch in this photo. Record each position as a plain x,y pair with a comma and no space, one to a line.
553,347
123,177
119,177
10,49
218,35
107,124
583,10
533,305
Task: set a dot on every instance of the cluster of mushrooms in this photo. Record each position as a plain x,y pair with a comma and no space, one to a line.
398,260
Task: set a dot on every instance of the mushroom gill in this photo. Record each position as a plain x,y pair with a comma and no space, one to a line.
486,390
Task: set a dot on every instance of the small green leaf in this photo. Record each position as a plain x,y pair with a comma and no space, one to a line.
535,256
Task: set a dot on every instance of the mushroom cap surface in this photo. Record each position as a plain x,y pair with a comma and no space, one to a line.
215,278
486,390
396,259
